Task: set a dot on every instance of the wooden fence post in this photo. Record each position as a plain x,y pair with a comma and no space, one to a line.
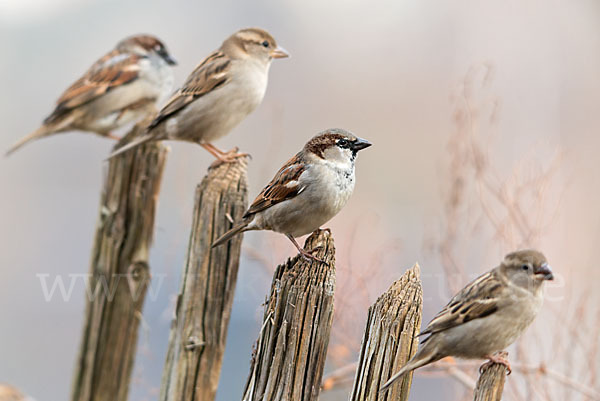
289,355
491,382
119,274
393,323
199,329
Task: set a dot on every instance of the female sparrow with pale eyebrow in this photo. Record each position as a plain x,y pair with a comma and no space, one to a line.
311,188
121,87
486,316
221,91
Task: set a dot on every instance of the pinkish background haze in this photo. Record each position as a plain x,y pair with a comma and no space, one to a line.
390,72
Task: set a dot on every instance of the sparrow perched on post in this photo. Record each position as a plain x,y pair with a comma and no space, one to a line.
311,188
221,91
486,316
121,87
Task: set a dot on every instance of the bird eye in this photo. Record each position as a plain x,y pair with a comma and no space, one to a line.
342,143
265,43
525,267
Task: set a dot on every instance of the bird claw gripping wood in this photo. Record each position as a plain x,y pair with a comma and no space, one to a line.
308,256
499,358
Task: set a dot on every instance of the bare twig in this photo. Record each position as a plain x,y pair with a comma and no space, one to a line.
498,207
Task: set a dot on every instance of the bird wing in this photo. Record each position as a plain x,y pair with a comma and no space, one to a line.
478,299
113,69
212,73
285,185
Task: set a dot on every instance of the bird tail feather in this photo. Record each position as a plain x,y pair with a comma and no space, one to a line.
38,133
240,228
131,145
416,362
50,127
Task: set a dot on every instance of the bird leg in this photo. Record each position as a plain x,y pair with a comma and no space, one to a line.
305,254
113,136
499,358
214,150
223,157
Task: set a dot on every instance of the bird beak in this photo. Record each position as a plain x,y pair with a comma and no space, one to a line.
279,52
167,57
360,144
170,60
544,272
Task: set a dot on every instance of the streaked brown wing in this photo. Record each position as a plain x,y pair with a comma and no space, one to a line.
477,300
112,70
282,187
212,73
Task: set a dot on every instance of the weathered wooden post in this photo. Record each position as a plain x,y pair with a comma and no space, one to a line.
199,329
393,323
289,355
119,274
491,382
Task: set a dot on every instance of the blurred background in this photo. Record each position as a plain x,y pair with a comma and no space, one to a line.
484,120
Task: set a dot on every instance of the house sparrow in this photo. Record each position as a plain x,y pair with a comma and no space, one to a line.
221,91
486,316
122,86
311,188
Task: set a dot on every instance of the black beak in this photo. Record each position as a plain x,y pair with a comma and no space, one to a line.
167,57
544,271
360,144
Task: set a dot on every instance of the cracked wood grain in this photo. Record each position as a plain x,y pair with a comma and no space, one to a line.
490,384
119,274
389,341
289,355
199,329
